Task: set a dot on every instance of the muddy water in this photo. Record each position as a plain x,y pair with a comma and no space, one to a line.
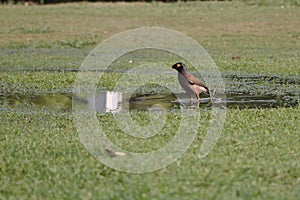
116,101
243,92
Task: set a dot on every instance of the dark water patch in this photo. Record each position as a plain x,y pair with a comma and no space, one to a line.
70,52
268,101
56,69
255,78
263,85
38,69
76,68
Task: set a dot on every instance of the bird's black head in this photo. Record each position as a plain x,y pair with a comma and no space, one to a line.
180,67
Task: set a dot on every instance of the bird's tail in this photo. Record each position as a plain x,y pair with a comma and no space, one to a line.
207,91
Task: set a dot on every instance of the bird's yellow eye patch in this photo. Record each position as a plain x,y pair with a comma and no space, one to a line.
178,65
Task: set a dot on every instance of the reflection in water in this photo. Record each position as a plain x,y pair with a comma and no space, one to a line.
57,101
106,102
147,101
276,92
116,101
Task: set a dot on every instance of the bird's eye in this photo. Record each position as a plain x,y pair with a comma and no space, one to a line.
178,65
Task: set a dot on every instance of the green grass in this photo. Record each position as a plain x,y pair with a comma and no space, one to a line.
267,36
257,155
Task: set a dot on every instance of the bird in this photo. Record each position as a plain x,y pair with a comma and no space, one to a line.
190,83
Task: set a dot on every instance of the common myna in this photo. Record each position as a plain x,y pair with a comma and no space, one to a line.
189,83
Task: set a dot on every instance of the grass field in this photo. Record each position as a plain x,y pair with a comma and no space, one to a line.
41,156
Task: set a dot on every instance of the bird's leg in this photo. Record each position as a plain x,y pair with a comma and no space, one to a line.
190,100
198,101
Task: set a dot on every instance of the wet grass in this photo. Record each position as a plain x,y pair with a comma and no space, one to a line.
257,156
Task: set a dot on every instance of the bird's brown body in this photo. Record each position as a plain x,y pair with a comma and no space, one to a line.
189,83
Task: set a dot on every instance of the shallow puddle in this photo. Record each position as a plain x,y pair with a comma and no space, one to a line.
53,101
116,101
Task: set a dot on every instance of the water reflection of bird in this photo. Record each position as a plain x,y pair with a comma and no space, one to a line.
189,83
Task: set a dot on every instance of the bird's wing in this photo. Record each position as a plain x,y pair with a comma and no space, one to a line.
193,81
